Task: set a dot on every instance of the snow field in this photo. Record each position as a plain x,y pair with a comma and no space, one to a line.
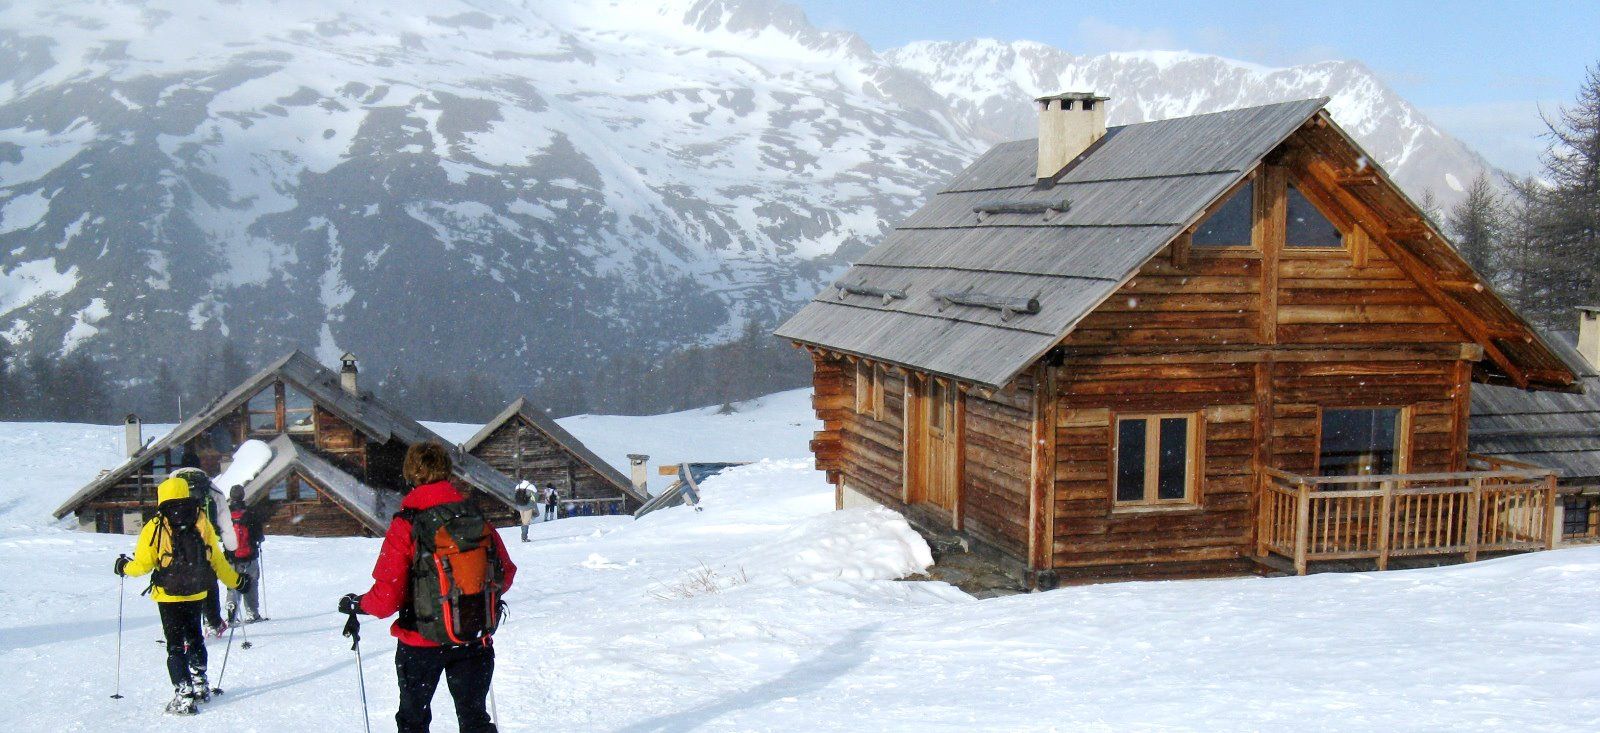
768,611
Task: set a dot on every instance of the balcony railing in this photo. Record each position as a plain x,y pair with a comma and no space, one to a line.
1499,506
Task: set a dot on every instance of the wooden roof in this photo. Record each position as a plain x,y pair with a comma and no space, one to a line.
558,435
372,507
1071,242
368,414
1550,429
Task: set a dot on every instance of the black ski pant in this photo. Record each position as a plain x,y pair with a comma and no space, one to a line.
213,605
467,671
186,646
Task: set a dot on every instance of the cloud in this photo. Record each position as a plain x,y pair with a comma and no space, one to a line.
1507,133
1099,36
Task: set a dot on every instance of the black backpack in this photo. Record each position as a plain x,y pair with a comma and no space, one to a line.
185,569
456,576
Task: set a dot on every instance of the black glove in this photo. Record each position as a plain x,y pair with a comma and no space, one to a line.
350,604
352,629
122,562
243,586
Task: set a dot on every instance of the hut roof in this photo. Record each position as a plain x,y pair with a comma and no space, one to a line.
1555,430
559,435
368,414
1042,254
373,507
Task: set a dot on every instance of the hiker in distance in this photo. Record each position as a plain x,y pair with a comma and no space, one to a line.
549,502
179,544
444,569
248,532
527,505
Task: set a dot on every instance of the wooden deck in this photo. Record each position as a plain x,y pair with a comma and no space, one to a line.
1499,507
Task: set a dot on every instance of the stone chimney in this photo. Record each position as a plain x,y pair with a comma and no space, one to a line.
1068,124
132,435
641,478
1589,334
347,374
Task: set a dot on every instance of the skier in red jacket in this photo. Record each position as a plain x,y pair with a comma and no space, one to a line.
418,660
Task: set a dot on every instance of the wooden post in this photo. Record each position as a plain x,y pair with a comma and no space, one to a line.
1041,512
1385,512
1552,512
1302,527
1263,514
1473,506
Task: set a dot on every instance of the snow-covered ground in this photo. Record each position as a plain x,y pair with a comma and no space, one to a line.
612,627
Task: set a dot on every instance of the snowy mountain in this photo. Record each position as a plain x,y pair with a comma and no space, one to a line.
516,188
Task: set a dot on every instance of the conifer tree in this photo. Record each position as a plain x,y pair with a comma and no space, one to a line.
1475,224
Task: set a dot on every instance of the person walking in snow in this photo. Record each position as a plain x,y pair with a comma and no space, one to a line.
180,546
549,502
527,505
246,558
439,540
211,502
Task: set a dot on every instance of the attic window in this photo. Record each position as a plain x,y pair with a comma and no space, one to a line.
1088,104
1230,224
1307,227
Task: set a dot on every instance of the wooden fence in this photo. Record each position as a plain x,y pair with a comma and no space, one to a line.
1315,518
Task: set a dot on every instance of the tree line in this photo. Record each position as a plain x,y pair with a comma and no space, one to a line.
1537,238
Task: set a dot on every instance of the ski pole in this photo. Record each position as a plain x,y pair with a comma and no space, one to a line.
217,689
121,583
494,709
352,629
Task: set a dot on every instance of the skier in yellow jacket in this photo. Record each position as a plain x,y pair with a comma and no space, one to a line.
180,546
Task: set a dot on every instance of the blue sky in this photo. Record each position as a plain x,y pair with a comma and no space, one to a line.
1481,70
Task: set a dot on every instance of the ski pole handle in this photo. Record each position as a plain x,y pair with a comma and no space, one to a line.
352,629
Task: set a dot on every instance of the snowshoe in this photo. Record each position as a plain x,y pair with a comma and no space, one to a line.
214,632
182,701
199,687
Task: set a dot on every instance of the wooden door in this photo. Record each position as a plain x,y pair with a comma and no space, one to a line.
934,428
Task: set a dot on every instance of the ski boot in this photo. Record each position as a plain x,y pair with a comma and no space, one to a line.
182,700
200,687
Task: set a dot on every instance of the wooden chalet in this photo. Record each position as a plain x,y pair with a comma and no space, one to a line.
524,443
1554,430
1205,345
335,468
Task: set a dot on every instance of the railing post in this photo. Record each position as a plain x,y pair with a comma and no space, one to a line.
1552,512
1265,507
1472,518
1302,527
1385,511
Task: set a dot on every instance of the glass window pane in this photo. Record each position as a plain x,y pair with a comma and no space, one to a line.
1575,520
1173,480
1307,227
1358,442
294,399
279,491
263,422
265,401
1229,225
1130,460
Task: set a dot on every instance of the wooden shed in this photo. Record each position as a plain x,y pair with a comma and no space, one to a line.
1554,430
1211,344
335,469
525,444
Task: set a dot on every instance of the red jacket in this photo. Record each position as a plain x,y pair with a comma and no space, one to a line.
391,587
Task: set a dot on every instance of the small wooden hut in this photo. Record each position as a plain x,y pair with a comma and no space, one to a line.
335,468
524,443
1204,345
1555,430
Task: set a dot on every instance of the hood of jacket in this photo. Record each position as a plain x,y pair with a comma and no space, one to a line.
172,488
431,495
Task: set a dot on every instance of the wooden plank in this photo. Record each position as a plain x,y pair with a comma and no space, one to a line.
1042,471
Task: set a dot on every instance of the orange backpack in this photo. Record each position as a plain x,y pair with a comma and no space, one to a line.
456,576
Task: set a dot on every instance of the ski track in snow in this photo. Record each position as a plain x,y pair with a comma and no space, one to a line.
807,631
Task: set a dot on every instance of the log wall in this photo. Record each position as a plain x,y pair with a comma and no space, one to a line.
519,449
871,451
994,488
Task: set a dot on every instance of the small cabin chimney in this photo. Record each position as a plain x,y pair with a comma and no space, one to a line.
347,374
1589,334
133,435
1068,124
636,462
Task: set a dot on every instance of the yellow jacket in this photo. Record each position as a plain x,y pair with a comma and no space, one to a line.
146,553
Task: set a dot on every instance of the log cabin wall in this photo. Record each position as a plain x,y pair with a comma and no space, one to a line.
872,445
308,512
1253,342
519,449
995,481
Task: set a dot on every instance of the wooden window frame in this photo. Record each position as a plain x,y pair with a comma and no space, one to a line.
1188,249
1193,461
869,390
1402,436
